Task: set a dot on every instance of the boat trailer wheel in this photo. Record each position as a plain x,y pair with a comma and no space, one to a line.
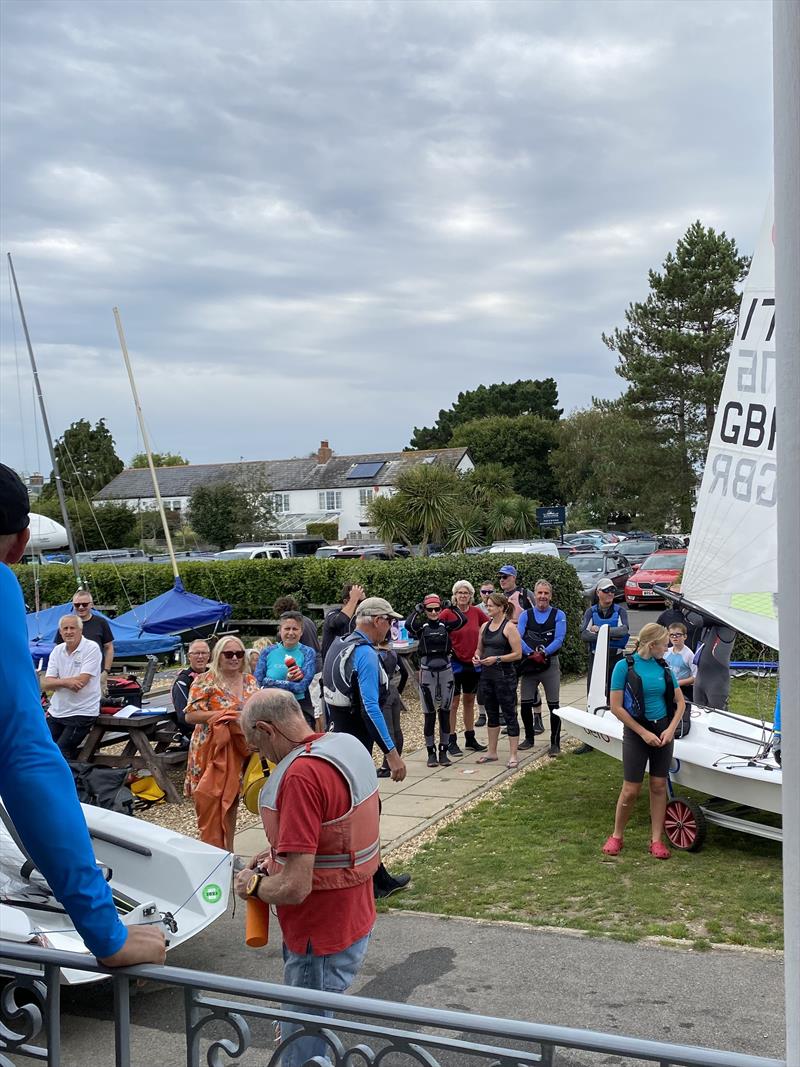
685,824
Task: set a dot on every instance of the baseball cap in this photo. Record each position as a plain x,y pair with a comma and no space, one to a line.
14,502
376,605
508,569
605,584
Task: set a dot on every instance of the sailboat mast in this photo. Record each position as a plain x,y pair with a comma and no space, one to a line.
56,472
146,441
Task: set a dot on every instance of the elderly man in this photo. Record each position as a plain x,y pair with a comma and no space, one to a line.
73,676
322,793
605,613
199,655
95,629
36,785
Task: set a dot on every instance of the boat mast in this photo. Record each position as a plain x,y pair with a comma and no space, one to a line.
786,140
56,472
146,441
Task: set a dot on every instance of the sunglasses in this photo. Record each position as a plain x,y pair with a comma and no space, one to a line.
486,592
434,611
83,604
233,655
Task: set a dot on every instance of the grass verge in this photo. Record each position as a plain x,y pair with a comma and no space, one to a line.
533,856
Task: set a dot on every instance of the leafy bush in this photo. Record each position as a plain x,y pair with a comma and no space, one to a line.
328,530
252,586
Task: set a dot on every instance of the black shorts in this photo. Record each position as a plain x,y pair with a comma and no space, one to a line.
466,680
637,754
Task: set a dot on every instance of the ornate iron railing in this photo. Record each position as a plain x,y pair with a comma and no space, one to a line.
363,1033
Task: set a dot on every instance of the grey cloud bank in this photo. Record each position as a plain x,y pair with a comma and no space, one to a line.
324,220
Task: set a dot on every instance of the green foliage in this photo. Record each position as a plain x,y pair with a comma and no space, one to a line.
225,513
674,350
251,587
328,530
117,526
522,445
465,528
160,459
424,498
387,516
87,460
523,397
488,482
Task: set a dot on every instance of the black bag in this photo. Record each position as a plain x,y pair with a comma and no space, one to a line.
121,692
104,787
685,725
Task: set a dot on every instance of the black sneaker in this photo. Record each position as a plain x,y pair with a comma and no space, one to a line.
453,749
481,720
432,760
384,772
443,760
554,750
525,745
393,884
474,745
581,750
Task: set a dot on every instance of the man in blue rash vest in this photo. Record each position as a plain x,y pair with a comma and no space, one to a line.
36,785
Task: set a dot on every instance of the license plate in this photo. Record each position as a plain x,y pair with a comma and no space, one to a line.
649,592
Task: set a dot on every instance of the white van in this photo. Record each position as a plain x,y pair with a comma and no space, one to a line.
262,552
528,548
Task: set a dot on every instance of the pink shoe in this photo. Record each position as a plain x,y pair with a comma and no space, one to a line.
613,846
659,850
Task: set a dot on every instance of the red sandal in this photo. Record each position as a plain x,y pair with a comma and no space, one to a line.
659,850
613,846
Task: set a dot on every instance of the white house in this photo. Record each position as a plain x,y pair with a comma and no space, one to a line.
323,486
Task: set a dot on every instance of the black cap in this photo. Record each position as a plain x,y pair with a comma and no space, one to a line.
14,502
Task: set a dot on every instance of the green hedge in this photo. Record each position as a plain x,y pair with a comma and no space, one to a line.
252,586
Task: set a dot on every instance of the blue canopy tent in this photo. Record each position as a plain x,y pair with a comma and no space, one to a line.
128,640
174,612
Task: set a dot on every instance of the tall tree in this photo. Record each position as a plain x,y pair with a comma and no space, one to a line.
160,459
522,444
386,516
523,397
86,458
427,493
674,350
225,513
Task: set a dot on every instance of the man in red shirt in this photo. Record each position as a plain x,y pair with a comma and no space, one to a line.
321,811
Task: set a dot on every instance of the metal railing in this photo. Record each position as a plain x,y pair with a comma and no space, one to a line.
363,1031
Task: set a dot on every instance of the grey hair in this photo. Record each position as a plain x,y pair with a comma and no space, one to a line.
72,618
464,584
543,581
268,705
198,641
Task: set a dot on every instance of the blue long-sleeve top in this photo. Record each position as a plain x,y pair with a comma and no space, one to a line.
542,616
38,789
271,663
366,667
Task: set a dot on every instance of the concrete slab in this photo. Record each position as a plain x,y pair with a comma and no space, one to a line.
248,842
388,788
445,787
412,804
394,826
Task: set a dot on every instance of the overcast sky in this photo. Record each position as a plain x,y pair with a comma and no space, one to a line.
323,220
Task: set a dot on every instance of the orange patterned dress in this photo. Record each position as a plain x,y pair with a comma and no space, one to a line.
207,694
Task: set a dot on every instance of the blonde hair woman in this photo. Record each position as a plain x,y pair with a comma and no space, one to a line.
465,675
646,698
215,700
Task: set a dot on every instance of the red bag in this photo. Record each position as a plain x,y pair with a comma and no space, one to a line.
121,692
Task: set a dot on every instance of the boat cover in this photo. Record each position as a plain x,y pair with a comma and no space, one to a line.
175,611
128,639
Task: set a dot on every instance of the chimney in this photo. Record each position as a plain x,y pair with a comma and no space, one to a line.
324,453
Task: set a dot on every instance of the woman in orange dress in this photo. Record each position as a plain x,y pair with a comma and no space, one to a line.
218,752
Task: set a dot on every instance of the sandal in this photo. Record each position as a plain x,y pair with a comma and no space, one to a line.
613,846
659,850
486,759
512,764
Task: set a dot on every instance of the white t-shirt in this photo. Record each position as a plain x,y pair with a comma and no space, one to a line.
86,659
681,662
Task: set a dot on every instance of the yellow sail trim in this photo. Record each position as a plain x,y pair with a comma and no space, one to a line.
756,604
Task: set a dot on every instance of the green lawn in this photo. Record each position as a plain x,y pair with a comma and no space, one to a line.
535,856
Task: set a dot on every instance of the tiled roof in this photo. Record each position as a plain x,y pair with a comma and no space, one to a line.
282,475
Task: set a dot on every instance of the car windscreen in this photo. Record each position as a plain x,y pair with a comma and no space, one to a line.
665,562
586,564
639,549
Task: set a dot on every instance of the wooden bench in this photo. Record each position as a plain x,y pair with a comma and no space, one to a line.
146,742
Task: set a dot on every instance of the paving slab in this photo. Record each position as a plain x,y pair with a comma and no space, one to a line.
413,804
447,787
394,827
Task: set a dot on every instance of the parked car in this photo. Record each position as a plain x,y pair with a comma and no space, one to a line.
372,552
592,566
273,552
604,535
661,568
541,548
636,552
586,544
326,551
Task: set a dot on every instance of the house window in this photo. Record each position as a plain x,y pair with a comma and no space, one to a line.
331,500
280,503
365,496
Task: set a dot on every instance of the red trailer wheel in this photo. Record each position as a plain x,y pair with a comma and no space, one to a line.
685,824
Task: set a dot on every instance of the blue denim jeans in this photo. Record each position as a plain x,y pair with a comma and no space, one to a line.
333,974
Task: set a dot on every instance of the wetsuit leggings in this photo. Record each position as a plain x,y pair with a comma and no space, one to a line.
436,690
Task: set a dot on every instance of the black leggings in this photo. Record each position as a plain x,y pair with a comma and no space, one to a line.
498,693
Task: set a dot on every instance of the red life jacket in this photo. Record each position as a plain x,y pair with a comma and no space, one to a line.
349,847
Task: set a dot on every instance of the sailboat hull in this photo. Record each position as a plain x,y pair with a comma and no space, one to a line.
718,757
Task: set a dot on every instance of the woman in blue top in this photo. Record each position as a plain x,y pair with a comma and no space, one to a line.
274,672
646,698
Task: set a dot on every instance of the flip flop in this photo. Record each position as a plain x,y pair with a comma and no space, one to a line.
512,764
486,759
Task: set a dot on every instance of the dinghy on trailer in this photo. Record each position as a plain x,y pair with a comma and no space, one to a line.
156,876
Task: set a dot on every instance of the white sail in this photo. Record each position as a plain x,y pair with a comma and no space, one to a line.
731,568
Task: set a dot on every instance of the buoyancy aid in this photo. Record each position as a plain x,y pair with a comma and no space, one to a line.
633,693
348,851
338,671
538,635
612,621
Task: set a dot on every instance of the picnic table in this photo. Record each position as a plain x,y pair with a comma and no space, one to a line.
147,739
408,650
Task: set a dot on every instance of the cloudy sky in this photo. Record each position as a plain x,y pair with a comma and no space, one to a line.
326,219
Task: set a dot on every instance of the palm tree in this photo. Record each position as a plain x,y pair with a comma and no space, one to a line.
489,482
426,495
385,515
524,517
500,519
465,529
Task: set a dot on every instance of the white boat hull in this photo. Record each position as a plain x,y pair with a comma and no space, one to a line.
154,871
708,759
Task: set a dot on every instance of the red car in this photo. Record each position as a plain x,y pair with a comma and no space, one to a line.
660,568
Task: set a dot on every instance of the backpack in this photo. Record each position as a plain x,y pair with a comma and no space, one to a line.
339,675
104,787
